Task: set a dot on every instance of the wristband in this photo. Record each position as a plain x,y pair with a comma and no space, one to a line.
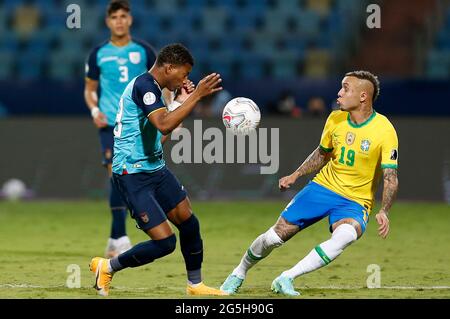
94,112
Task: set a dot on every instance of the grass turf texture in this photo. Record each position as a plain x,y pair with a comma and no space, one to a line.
39,240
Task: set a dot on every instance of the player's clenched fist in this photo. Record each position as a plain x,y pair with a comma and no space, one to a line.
286,182
185,91
188,86
209,84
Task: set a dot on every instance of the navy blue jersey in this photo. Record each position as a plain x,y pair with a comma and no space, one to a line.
114,67
137,142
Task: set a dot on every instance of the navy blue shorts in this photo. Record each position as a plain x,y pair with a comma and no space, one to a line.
107,142
150,196
315,202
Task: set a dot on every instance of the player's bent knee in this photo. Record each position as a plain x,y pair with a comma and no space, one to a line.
351,222
345,234
167,245
271,239
341,238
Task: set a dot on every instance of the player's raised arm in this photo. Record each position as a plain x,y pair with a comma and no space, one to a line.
166,122
174,100
314,162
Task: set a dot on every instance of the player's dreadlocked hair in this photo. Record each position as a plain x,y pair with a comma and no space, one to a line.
176,54
116,5
366,75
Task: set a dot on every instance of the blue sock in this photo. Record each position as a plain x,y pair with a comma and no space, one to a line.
144,253
118,211
192,248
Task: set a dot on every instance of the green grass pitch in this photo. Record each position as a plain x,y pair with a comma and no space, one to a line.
39,240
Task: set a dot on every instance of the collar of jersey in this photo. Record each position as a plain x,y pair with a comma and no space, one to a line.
157,84
363,123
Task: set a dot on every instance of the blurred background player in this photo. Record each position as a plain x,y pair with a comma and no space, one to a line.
153,194
356,144
110,67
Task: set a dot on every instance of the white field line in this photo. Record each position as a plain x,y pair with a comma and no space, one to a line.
28,286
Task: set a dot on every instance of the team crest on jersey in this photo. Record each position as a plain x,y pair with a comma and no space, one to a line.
135,57
144,217
149,98
365,145
350,138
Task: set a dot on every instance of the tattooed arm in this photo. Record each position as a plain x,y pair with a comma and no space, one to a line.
390,188
314,162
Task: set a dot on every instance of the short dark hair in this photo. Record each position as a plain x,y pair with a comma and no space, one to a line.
116,5
175,53
366,75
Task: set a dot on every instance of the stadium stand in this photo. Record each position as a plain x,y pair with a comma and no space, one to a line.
281,38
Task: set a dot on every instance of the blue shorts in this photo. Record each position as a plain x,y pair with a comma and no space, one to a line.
107,142
315,202
150,196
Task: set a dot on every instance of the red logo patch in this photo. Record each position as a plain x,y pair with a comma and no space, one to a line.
144,217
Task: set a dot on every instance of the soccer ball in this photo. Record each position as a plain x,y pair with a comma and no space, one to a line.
241,115
14,189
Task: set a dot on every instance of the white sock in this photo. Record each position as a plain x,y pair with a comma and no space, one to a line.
324,253
260,248
109,266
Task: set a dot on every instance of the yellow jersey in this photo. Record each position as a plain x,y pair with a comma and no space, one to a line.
359,152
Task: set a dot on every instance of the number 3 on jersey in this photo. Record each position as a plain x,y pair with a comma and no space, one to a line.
123,74
118,127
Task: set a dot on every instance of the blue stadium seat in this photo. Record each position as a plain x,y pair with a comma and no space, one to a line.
71,40
4,15
245,20
10,5
39,43
252,66
214,20
289,5
166,6
275,22
61,65
308,23
294,43
8,41
196,4
264,43
443,39
92,20
222,63
7,65
29,66
284,65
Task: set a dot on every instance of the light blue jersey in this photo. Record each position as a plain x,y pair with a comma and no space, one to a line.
114,67
137,143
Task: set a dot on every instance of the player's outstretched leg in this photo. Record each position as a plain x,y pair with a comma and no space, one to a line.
118,241
192,249
259,249
320,256
141,254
